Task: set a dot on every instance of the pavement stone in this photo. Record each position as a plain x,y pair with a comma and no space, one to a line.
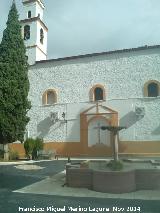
51,177
54,186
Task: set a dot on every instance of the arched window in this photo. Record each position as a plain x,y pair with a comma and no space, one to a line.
152,88
26,32
49,97
97,93
41,36
29,14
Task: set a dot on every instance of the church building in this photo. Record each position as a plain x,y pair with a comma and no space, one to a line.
73,97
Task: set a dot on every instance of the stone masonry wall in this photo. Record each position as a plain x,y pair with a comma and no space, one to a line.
122,74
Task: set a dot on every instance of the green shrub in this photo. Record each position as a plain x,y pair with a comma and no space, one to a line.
32,146
115,165
1,154
13,155
28,146
38,145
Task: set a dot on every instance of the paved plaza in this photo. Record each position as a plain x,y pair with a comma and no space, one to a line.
41,185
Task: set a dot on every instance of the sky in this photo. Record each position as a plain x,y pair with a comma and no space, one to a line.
79,27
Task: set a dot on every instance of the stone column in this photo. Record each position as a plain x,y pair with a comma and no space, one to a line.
116,147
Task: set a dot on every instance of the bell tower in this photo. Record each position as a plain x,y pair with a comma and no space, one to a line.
34,31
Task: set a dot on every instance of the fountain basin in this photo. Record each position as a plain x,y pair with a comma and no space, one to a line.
124,181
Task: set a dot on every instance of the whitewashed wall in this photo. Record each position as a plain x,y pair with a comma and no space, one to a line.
35,50
29,7
123,76
43,46
35,9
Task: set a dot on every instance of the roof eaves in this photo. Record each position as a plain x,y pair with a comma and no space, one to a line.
99,54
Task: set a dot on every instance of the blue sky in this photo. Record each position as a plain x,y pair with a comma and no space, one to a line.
88,26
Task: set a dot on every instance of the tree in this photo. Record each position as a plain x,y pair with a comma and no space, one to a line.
14,83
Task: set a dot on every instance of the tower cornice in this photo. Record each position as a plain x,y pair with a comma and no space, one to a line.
33,46
32,1
34,19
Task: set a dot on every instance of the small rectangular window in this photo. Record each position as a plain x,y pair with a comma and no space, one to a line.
29,14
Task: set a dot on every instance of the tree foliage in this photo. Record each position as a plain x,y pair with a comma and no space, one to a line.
14,83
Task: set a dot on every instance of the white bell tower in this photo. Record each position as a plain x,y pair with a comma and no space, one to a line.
34,31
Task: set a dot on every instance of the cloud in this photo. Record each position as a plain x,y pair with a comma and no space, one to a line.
4,10
87,26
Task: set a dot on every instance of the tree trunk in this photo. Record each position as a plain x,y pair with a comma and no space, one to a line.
6,152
